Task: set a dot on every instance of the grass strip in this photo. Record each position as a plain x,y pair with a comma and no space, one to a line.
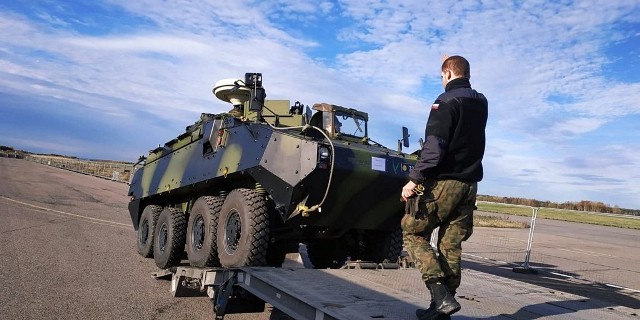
563,215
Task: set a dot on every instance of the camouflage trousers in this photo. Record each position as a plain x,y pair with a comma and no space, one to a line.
449,205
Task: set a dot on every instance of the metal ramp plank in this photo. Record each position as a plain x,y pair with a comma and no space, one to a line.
396,294
343,293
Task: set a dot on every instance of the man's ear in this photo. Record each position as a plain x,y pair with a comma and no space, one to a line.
448,74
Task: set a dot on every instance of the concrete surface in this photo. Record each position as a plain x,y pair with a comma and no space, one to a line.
67,251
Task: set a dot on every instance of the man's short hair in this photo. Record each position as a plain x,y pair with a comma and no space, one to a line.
458,65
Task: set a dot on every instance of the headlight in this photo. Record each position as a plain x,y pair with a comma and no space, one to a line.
323,153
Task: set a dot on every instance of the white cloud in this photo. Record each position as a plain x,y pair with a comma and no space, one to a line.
563,173
541,65
575,126
173,45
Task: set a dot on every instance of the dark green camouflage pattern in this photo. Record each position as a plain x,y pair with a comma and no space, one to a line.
220,153
319,178
449,205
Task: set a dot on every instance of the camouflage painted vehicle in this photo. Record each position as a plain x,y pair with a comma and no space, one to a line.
245,190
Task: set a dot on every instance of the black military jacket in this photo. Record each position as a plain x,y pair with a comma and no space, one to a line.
454,136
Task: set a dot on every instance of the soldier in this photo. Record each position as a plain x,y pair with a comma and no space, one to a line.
443,186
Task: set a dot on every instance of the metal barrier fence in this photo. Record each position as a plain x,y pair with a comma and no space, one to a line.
527,252
115,171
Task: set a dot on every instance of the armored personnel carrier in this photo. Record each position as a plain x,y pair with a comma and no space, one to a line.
246,187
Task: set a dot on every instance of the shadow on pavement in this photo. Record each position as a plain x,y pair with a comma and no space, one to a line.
590,290
541,310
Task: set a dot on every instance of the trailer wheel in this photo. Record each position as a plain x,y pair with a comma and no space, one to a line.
325,254
243,229
202,248
169,241
146,228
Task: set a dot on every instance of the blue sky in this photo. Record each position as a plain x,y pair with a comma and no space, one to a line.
113,79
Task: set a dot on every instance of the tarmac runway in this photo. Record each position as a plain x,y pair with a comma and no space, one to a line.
67,251
600,260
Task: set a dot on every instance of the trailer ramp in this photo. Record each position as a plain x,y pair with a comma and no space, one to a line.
350,293
355,293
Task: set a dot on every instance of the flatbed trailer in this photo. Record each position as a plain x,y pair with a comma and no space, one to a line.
352,292
360,293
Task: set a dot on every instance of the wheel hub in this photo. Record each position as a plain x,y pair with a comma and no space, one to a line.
232,236
162,237
143,234
197,236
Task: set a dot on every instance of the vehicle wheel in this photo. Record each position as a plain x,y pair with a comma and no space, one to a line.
202,249
395,245
168,245
146,228
383,246
325,254
243,229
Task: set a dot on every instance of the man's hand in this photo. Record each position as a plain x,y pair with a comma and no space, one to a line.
445,57
407,190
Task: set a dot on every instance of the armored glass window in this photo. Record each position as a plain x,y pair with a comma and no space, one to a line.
350,124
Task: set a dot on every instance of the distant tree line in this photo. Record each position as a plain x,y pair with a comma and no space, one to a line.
7,149
10,152
584,205
22,153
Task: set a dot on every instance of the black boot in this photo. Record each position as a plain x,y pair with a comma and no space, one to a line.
426,313
431,313
444,302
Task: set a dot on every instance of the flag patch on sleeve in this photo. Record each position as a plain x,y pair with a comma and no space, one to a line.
435,106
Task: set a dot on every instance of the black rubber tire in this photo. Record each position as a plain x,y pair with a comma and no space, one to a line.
243,229
331,253
146,229
202,247
169,238
383,246
395,245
